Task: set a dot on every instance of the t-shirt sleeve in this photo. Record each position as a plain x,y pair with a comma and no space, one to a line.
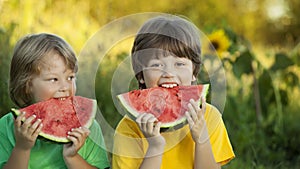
7,140
94,149
219,139
129,145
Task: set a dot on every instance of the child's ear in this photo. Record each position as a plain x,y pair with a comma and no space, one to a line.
142,81
194,78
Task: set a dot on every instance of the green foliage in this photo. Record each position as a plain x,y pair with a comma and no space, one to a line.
103,85
5,55
282,61
242,65
261,115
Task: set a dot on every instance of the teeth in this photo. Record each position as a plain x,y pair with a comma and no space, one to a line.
169,85
62,98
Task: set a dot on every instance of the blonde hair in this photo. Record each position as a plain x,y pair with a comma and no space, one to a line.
164,35
27,56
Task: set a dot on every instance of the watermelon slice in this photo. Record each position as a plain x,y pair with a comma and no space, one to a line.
168,105
61,115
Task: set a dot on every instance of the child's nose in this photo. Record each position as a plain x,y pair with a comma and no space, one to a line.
168,73
65,86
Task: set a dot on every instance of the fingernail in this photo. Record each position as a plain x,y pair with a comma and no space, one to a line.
68,132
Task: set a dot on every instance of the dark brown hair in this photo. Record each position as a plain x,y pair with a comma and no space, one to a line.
166,35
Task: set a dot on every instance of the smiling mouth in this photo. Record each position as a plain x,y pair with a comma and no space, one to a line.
61,98
168,85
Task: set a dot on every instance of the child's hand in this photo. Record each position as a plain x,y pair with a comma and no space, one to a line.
77,137
27,132
150,127
195,118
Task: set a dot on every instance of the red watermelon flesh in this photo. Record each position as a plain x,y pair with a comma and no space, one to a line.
61,115
168,105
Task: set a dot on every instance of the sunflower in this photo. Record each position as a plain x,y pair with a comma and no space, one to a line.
219,42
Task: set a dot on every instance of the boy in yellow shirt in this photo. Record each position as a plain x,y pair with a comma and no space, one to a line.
166,53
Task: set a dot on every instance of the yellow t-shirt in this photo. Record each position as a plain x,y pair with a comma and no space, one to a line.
130,145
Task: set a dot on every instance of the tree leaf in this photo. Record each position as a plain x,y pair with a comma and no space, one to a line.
266,90
282,61
243,64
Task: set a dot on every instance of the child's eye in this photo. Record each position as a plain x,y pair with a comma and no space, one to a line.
53,79
156,65
179,64
70,78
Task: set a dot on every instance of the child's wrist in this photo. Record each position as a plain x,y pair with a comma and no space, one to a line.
157,141
69,158
203,138
20,150
156,146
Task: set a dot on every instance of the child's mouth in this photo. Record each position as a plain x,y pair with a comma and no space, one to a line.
61,98
168,85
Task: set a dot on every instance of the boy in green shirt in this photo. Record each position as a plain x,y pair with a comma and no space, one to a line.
44,66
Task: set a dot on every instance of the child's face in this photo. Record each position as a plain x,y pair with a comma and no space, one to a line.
169,71
55,79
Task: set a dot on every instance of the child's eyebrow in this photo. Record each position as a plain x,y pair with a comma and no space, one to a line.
182,58
70,70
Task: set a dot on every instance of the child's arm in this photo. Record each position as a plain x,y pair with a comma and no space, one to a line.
150,129
204,157
25,135
70,151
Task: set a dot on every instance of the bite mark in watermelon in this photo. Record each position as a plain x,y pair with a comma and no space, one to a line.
168,105
59,116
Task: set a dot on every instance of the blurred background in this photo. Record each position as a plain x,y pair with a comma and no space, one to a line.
257,42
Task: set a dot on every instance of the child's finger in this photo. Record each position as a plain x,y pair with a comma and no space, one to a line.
203,104
79,133
82,130
27,123
192,112
34,126
150,124
38,130
18,120
195,105
139,118
75,134
157,128
189,119
142,120
73,139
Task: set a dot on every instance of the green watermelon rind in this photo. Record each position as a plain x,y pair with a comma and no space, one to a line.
16,112
133,113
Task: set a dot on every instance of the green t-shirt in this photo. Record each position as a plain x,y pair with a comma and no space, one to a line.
48,155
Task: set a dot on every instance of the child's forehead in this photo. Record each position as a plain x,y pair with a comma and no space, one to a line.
146,55
52,59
